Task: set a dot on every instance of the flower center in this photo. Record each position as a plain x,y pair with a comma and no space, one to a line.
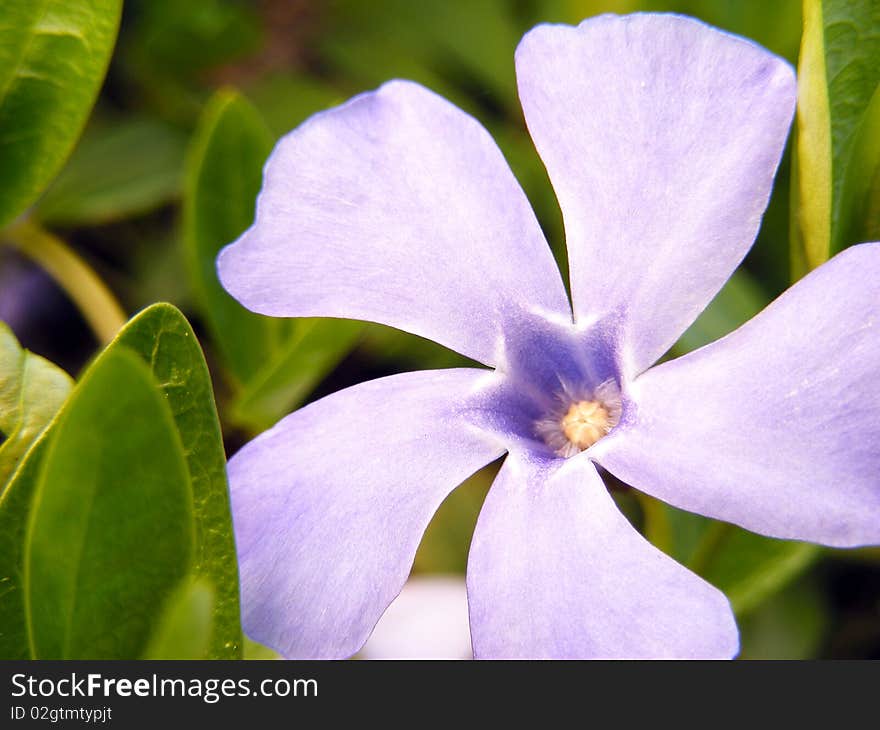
580,419
585,423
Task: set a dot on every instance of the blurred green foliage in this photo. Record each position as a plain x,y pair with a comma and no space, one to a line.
166,174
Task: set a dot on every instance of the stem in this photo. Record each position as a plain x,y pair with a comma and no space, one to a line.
658,530
94,300
714,537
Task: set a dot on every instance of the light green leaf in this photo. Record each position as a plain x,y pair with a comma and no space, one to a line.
839,69
31,392
162,337
53,56
117,171
110,533
184,631
255,651
315,348
223,176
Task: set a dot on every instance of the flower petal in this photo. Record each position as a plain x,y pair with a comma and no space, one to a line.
556,571
329,506
775,427
398,208
661,136
428,620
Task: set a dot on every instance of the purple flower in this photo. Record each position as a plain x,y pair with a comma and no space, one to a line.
661,137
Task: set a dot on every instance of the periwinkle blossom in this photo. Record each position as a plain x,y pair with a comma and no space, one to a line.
661,137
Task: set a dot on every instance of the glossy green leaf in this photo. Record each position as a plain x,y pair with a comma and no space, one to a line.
223,177
53,56
110,532
162,337
184,631
31,392
117,171
315,348
839,70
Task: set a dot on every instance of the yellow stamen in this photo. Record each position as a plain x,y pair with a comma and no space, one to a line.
585,423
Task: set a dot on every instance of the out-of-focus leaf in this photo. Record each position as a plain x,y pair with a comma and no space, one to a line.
53,56
444,546
374,42
162,337
110,532
184,631
171,47
31,392
275,363
389,347
791,625
839,70
315,348
749,568
184,38
286,100
738,301
223,176
126,169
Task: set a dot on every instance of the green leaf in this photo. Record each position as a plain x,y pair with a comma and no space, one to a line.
110,532
839,70
15,504
435,42
738,301
115,172
860,198
791,625
751,568
317,346
31,392
275,363
254,651
223,176
162,337
285,100
184,631
748,568
53,56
